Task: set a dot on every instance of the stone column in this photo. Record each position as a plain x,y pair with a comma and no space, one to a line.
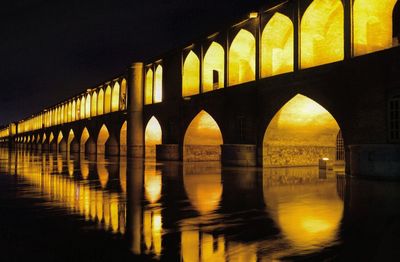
348,29
135,145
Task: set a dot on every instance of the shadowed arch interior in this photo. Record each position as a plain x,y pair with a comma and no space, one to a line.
152,137
202,139
300,133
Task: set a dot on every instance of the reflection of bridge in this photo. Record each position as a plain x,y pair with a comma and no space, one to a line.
339,54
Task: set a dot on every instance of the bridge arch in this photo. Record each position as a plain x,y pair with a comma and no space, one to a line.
191,75
87,106
94,104
322,33
107,100
158,84
300,134
102,139
203,139
152,136
242,58
115,97
214,67
277,46
61,142
148,87
71,137
86,142
100,102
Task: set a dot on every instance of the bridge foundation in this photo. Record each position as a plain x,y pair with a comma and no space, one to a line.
238,155
375,160
168,152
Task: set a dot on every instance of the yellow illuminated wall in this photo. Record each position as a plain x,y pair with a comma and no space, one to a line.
213,71
322,31
373,25
115,98
87,107
123,100
73,110
202,139
158,84
191,75
100,102
242,58
83,105
78,109
94,104
152,137
300,134
148,91
277,46
123,139
107,100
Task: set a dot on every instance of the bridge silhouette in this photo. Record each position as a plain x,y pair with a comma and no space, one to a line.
288,85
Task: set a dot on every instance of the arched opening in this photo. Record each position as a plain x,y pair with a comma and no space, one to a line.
71,137
123,139
213,71
84,137
191,75
115,98
152,137
87,107
123,100
300,134
100,102
83,104
73,110
322,33
373,25
94,104
107,100
44,137
61,144
69,113
148,90
102,139
51,138
277,46
65,111
203,139
78,109
158,84
242,58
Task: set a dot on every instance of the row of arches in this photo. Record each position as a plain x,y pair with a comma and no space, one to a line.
153,85
321,42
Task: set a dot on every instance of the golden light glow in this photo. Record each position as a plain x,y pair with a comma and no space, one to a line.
277,46
44,138
198,246
152,184
51,137
84,137
94,104
202,139
100,102
102,139
102,172
87,107
71,137
152,136
300,134
123,100
59,138
213,71
373,25
148,90
123,139
83,105
152,227
115,98
322,32
158,84
107,100
242,58
78,109
191,75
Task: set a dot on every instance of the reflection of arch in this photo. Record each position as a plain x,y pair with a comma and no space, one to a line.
191,75
148,89
372,25
158,84
152,183
242,58
102,139
277,46
115,98
152,137
202,139
322,32
123,139
299,134
213,72
107,100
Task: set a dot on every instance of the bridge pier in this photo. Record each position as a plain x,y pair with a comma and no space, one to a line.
62,145
375,160
112,147
168,152
74,146
90,146
238,155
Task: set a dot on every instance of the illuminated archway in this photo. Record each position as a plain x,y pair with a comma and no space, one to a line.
123,100
115,97
202,139
84,137
78,109
322,33
107,100
100,102
44,138
73,110
191,75
123,139
213,72
83,104
152,137
59,137
373,25
158,84
94,104
87,107
148,90
242,58
102,139
51,138
277,46
300,133
71,137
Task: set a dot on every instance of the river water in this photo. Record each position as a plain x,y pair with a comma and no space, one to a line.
175,211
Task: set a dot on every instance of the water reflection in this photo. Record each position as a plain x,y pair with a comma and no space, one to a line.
194,211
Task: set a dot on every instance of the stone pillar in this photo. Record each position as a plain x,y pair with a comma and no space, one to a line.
135,145
348,29
62,146
74,146
90,146
375,160
168,152
238,155
111,146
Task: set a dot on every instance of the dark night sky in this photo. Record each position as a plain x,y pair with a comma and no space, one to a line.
51,50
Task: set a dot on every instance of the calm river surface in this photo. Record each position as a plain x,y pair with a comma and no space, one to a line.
175,211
